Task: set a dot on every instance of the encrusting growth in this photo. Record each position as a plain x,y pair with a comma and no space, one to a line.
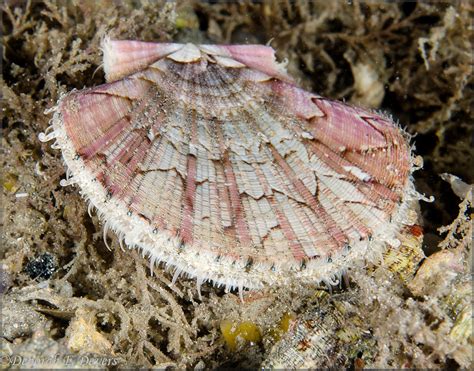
210,159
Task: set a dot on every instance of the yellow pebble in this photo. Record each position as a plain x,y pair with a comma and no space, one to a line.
283,327
236,334
10,183
286,321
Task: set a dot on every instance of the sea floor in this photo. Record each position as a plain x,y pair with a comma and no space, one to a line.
68,300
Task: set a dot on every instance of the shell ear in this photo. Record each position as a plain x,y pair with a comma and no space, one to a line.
259,57
123,57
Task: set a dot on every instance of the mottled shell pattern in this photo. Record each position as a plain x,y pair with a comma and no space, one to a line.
210,159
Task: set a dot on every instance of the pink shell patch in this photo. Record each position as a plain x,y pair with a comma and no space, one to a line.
210,159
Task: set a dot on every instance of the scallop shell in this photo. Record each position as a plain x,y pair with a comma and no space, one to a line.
210,159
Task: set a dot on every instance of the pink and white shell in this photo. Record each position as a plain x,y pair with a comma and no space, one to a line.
210,159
